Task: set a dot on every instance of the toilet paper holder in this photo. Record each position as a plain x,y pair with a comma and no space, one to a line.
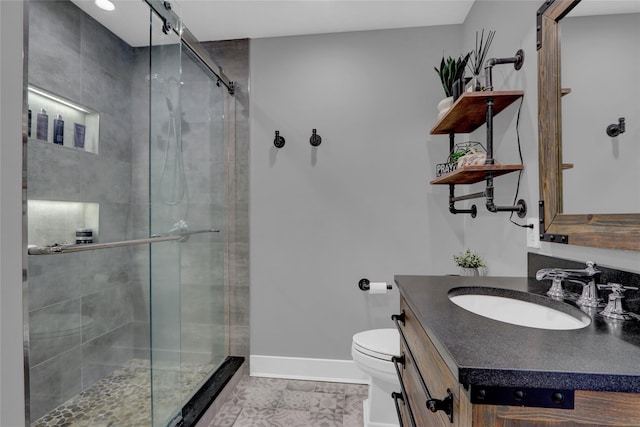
363,284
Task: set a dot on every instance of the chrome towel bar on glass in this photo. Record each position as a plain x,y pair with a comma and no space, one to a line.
155,238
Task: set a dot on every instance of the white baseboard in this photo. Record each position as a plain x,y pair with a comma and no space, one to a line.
302,368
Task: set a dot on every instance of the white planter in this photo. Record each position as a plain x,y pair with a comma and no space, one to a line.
465,271
445,104
443,112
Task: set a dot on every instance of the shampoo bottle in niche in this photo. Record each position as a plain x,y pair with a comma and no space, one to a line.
58,130
42,125
78,135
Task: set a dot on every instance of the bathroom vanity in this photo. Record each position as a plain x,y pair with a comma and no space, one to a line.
458,368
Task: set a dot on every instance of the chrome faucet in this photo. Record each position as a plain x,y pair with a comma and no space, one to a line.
585,277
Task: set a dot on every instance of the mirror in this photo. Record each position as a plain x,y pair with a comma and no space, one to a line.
602,69
603,228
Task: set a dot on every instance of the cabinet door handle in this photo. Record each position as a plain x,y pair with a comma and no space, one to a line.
397,360
398,396
446,404
398,318
434,405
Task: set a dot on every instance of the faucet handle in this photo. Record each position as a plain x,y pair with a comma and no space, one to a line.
556,275
614,308
617,289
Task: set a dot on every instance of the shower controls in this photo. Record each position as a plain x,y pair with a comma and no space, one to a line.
315,139
278,141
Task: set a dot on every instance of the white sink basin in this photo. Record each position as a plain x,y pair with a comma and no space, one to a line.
519,308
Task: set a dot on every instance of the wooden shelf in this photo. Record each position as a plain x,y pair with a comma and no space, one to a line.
473,174
469,111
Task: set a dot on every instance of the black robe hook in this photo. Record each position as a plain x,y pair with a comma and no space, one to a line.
315,139
614,130
278,141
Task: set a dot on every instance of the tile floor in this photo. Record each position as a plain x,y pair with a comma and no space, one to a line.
273,402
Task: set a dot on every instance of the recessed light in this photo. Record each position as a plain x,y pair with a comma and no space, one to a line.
105,5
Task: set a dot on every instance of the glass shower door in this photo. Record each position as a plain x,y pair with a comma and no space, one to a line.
186,196
166,199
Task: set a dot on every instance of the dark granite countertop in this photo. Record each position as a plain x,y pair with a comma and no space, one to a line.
603,356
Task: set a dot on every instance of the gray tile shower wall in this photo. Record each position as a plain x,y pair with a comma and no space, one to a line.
80,304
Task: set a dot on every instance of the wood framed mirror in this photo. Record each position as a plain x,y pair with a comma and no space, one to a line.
613,231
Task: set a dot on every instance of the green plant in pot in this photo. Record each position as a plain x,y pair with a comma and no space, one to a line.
469,263
450,71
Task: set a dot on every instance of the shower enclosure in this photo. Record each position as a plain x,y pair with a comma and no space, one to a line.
127,179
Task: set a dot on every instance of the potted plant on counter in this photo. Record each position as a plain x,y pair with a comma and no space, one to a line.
469,263
450,71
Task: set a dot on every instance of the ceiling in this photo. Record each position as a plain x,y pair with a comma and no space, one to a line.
211,20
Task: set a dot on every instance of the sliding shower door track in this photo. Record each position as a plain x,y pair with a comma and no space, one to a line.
196,407
172,22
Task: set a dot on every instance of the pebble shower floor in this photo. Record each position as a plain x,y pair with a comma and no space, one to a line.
123,398
273,402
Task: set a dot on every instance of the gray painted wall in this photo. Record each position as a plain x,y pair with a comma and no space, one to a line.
503,244
11,340
359,205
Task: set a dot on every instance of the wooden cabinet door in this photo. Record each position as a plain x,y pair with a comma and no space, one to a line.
436,375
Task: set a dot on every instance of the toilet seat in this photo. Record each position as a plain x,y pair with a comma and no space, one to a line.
381,344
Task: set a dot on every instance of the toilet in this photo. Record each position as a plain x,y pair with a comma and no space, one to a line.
372,352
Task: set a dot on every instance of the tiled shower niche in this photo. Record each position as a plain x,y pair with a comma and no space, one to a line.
80,124
55,222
